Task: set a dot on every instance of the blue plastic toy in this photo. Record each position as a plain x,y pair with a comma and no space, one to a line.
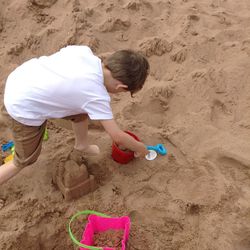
159,148
7,146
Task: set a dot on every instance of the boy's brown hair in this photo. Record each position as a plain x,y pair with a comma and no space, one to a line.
129,67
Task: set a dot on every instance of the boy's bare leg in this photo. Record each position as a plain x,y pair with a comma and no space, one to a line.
7,171
80,129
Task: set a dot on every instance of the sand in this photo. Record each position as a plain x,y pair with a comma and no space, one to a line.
196,102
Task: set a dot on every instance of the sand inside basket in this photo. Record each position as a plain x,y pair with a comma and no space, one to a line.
109,238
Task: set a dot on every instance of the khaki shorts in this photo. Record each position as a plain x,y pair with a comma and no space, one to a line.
28,139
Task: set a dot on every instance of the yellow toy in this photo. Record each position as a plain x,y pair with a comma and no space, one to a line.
8,158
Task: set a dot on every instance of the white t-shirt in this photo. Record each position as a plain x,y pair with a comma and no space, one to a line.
66,83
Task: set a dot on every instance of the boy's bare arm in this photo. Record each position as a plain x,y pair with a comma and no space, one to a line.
123,139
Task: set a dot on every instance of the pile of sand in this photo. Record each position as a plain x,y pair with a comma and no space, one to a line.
196,102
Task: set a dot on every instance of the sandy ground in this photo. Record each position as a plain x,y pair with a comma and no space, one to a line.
196,102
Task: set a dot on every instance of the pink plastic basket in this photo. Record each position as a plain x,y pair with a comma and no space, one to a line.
98,222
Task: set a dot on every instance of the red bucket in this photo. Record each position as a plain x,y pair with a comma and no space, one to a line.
120,155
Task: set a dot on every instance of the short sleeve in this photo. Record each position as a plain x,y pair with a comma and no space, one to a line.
99,110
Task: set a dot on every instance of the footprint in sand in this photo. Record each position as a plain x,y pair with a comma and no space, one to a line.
220,114
179,56
218,80
139,5
115,24
43,3
155,46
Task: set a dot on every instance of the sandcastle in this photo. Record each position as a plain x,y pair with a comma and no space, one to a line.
73,180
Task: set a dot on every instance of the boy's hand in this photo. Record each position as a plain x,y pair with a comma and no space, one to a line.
143,152
122,138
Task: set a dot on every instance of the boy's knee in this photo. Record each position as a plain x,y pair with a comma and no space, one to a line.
22,163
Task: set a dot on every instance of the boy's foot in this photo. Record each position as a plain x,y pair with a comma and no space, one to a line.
89,150
78,155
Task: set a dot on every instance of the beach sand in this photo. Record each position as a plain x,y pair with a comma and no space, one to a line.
196,102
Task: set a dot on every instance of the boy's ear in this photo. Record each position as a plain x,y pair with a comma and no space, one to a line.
121,86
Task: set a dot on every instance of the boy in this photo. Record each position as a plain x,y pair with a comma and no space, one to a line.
73,84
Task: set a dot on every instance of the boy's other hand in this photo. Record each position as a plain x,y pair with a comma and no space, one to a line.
142,153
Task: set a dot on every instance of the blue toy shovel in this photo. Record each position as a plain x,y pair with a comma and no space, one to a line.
159,148
7,146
